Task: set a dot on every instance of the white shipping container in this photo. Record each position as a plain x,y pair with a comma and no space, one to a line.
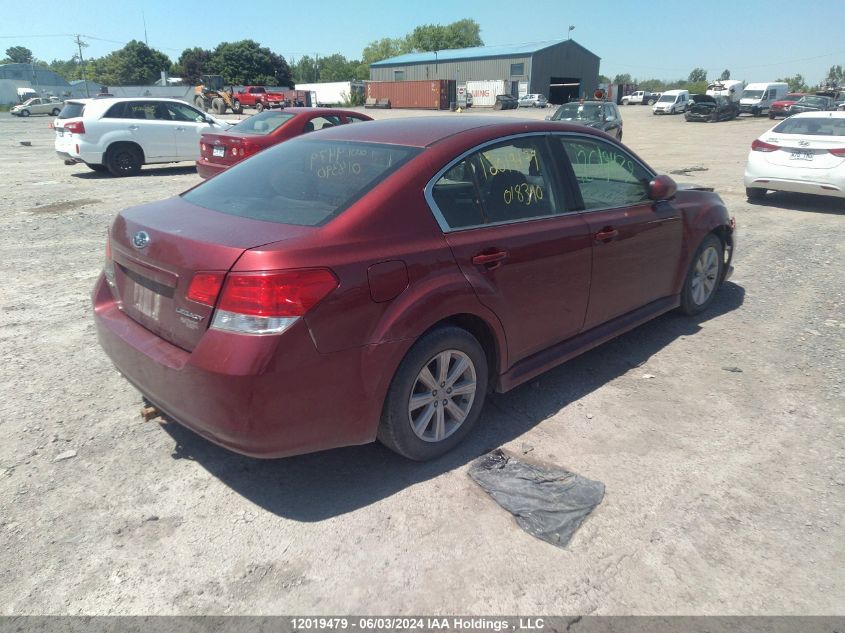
484,92
332,92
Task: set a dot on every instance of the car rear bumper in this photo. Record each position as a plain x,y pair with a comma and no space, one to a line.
68,158
207,169
262,396
819,188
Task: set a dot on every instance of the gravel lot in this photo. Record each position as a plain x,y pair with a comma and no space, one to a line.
720,440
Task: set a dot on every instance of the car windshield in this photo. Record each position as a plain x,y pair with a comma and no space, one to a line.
820,101
31,101
263,123
792,97
752,94
303,181
812,126
666,98
578,112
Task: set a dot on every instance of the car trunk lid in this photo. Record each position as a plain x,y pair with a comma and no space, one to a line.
224,148
808,153
156,250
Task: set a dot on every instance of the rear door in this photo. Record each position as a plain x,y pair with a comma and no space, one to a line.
526,257
636,243
148,123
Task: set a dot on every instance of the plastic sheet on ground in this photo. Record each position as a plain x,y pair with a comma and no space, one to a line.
549,503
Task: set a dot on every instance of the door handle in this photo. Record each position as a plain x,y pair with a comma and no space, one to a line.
606,234
133,127
490,260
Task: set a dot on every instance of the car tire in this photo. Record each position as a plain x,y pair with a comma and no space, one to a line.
199,102
55,112
771,116
651,102
96,167
259,107
704,276
755,194
24,112
237,108
413,418
124,159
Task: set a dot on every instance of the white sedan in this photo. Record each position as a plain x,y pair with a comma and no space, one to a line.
804,154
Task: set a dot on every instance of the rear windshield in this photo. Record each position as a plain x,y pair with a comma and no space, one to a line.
578,112
815,126
302,181
263,123
820,101
72,110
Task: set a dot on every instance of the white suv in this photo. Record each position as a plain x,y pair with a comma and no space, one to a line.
121,134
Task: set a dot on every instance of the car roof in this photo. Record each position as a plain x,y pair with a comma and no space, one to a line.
313,110
423,131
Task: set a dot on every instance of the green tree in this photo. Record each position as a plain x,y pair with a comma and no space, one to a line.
726,74
385,48
19,55
697,75
604,79
134,64
623,79
796,83
305,70
192,63
652,85
337,68
247,62
834,76
464,33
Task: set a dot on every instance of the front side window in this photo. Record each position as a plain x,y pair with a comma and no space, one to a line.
502,183
607,176
182,112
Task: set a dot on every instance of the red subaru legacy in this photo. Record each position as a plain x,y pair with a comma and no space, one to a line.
222,150
375,281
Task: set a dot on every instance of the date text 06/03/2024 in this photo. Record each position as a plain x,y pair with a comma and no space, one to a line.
417,623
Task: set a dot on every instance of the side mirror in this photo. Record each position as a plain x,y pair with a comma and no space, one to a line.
662,188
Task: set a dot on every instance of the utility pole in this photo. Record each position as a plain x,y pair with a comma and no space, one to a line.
80,44
316,66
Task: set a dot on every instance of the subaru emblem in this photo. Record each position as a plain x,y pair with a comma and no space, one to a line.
141,239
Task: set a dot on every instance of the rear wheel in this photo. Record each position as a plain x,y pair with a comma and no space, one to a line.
124,160
651,102
755,193
704,276
771,116
436,396
259,107
55,112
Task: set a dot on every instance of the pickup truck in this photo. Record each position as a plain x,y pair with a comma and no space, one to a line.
257,97
641,97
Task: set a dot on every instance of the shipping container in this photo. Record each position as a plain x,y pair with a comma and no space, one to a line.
426,95
333,92
484,92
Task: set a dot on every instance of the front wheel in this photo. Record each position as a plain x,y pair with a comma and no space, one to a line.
704,276
24,112
436,395
237,108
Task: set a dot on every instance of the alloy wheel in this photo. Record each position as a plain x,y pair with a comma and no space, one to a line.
704,275
442,395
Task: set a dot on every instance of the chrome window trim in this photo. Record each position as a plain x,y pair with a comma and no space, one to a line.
441,219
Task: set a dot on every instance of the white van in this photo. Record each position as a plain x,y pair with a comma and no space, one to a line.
758,98
672,102
730,88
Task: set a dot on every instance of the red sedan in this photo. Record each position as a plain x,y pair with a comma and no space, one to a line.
374,281
221,151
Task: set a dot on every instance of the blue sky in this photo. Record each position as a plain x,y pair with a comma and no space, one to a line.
758,40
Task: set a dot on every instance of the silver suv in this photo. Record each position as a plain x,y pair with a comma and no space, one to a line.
121,134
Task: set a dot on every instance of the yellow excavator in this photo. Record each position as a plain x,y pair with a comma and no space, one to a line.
211,95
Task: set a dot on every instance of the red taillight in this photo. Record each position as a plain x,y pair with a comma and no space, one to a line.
289,293
760,146
205,287
838,152
75,127
249,149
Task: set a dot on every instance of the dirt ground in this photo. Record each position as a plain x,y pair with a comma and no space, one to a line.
720,439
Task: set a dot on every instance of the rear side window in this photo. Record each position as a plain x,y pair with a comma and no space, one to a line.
302,181
72,110
262,123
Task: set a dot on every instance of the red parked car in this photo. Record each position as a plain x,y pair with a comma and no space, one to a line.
373,281
782,107
221,151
